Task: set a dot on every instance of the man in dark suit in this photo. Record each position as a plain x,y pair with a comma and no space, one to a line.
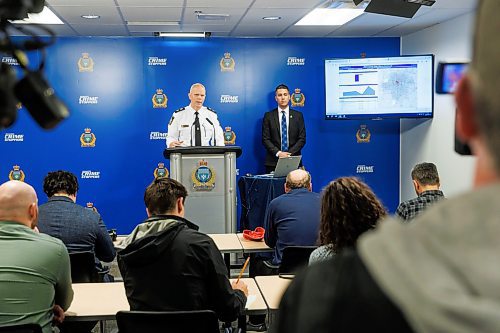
283,130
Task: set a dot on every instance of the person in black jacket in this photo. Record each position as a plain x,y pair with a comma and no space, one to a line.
168,265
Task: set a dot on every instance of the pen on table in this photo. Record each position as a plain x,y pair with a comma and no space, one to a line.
243,269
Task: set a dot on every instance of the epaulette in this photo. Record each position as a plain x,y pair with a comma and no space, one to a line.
179,110
171,120
210,109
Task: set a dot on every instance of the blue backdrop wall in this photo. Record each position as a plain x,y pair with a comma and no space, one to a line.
109,83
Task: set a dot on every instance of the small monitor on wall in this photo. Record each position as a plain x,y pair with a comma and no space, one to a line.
374,88
448,75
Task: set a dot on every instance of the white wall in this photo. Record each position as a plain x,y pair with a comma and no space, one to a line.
433,140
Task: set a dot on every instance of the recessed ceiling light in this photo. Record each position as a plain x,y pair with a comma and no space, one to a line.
330,16
271,18
91,17
46,16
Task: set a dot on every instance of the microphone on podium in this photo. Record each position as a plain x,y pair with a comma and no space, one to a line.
211,123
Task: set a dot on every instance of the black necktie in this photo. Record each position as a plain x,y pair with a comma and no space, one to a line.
197,131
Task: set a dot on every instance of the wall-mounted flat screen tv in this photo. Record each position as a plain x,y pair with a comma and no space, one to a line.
375,88
448,75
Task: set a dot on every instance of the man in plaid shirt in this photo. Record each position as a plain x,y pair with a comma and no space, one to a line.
426,182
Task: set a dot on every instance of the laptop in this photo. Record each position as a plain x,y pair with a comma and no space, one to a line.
286,164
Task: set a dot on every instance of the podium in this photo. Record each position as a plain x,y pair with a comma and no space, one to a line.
209,175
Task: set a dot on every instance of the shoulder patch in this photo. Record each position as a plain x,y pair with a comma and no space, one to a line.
179,110
210,109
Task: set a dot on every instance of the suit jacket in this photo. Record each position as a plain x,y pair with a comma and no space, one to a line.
79,228
271,136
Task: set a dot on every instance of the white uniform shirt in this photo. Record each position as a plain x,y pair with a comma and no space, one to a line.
181,127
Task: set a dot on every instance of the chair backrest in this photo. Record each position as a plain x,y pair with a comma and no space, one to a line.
294,258
83,267
23,328
201,321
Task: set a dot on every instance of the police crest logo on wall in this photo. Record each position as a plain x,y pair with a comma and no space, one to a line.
85,63
159,99
227,63
16,173
298,98
363,134
161,171
203,177
229,136
87,139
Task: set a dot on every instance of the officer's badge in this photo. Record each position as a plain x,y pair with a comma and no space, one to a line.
87,139
85,63
19,106
227,63
161,171
159,99
298,98
363,134
203,177
229,136
16,173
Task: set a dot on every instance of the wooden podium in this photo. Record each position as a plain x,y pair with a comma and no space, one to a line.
209,175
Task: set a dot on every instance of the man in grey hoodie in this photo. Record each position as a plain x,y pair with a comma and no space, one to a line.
442,273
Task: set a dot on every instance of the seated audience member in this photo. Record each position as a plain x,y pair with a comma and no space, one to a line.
168,265
426,183
348,208
441,273
292,219
79,228
35,276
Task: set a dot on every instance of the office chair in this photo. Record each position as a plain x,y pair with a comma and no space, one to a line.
200,321
22,328
83,269
294,258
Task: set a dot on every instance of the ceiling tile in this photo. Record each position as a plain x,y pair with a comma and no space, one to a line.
288,16
234,15
71,14
100,30
287,4
85,3
151,3
219,3
151,13
308,31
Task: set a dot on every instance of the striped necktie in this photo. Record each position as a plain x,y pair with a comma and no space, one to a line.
284,135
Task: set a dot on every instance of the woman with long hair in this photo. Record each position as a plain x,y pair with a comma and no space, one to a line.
348,208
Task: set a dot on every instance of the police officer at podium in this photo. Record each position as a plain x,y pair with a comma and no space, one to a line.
195,124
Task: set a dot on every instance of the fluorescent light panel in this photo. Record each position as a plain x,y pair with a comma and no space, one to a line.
328,16
181,34
46,16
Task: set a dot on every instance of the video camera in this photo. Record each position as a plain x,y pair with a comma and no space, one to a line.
32,91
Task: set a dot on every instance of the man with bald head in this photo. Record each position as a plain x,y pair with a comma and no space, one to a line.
195,124
292,219
35,278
